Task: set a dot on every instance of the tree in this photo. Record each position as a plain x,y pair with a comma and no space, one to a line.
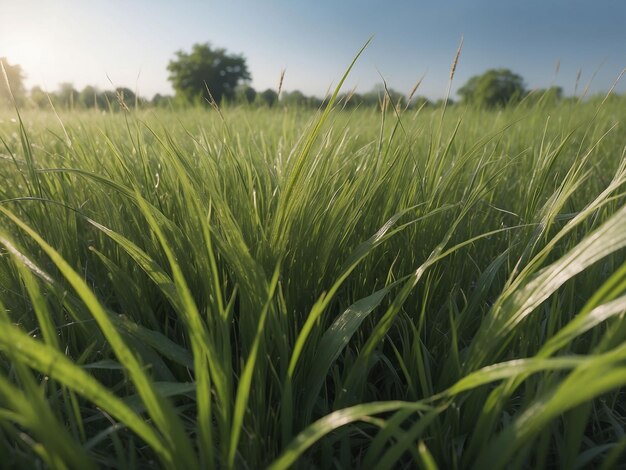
293,98
378,95
268,97
161,101
110,100
126,98
245,94
16,82
38,97
67,95
205,67
299,99
90,98
495,87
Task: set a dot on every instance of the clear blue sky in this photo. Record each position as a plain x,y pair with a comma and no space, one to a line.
130,42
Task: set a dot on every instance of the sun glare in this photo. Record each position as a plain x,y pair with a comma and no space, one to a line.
27,53
30,43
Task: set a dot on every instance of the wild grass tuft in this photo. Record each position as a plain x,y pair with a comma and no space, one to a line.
262,287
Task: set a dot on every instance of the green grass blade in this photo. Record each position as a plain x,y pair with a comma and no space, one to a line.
335,420
511,310
336,338
245,381
160,411
597,375
49,361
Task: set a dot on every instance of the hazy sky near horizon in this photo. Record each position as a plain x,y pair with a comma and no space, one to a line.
129,43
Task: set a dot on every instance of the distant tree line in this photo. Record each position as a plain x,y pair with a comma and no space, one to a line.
209,76
15,78
497,88
90,97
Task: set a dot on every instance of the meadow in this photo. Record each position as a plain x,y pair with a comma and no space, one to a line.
247,288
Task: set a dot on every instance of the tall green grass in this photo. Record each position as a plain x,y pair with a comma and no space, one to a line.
251,287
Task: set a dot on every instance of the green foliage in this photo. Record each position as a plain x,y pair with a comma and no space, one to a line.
207,72
38,97
161,101
245,94
313,288
494,88
67,96
89,97
268,97
297,98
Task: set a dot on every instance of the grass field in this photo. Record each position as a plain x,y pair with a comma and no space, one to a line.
256,287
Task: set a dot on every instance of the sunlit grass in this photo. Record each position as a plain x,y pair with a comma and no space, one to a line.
273,287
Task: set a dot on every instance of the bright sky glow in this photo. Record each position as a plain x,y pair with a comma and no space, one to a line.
129,43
